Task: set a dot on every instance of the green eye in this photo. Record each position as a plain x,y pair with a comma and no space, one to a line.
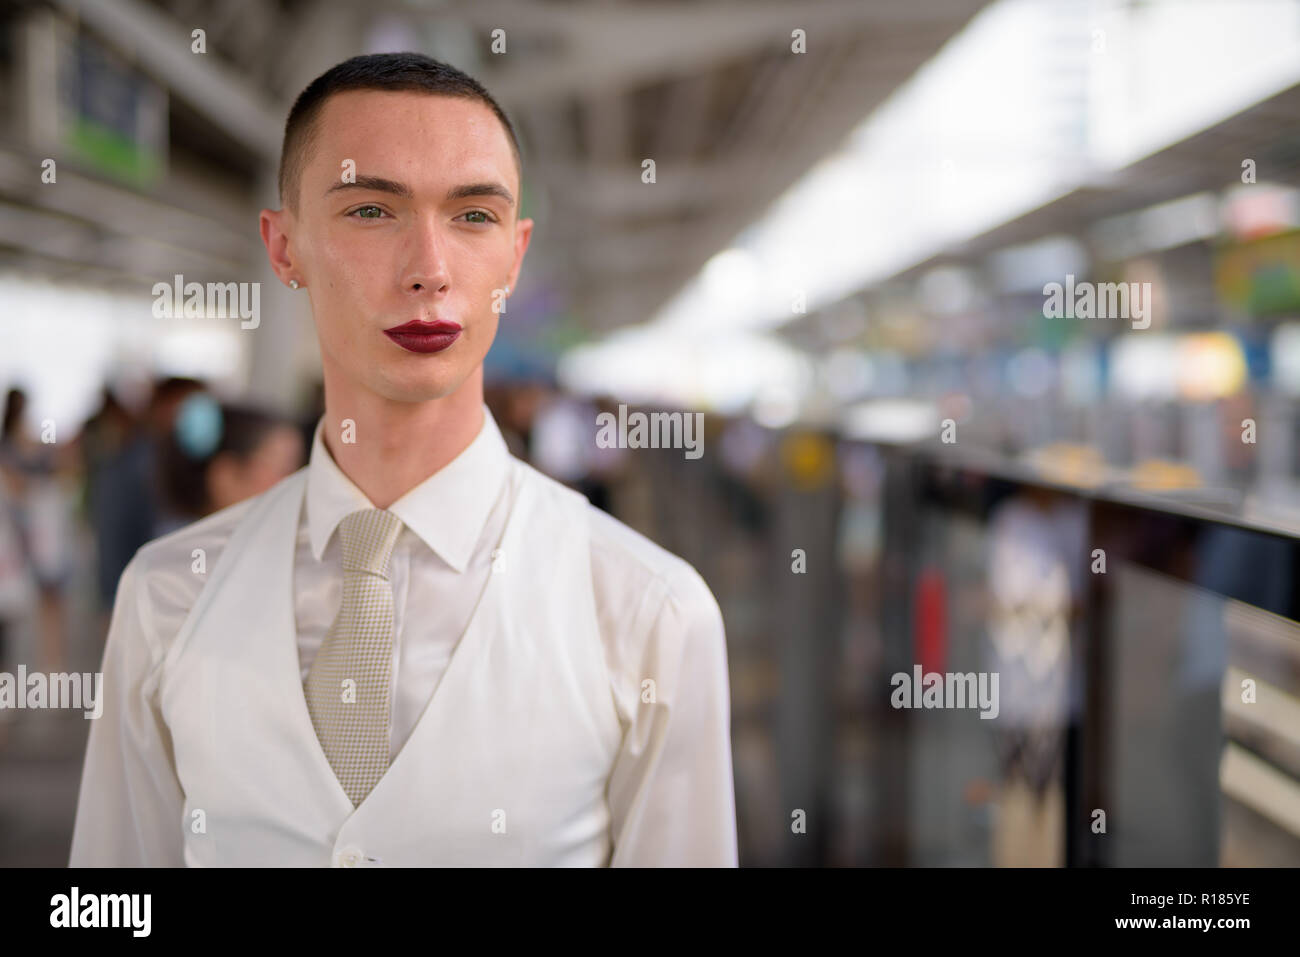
479,212
365,212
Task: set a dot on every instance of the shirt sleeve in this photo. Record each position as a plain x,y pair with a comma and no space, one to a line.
130,806
671,792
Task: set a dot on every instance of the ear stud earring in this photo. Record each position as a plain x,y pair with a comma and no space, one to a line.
293,284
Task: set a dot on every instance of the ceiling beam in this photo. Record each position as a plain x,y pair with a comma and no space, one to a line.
605,126
617,191
305,45
121,212
83,244
686,118
622,46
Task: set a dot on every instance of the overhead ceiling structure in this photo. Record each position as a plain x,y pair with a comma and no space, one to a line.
709,89
1205,162
1208,160
712,92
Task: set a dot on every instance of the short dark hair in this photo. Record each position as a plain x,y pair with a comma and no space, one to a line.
375,71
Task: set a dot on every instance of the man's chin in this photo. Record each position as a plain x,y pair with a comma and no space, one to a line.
404,378
426,388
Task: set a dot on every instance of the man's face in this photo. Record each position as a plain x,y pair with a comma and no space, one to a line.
415,237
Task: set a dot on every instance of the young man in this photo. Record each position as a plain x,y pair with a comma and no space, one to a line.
417,650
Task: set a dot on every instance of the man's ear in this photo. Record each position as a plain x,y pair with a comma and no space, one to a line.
523,235
274,225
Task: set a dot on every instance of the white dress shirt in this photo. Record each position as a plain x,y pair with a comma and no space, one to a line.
670,792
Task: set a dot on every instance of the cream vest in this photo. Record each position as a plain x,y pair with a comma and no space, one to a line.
507,765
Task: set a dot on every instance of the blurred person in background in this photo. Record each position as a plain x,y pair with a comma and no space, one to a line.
118,478
39,475
160,423
219,454
1035,593
17,591
559,444
124,478
515,406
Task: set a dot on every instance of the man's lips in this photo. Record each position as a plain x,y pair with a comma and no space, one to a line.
417,336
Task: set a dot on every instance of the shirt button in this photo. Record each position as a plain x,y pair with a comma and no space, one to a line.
349,857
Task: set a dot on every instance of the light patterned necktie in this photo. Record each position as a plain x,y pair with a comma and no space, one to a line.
347,689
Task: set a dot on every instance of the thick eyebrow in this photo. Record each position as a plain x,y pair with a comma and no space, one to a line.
480,189
379,184
376,183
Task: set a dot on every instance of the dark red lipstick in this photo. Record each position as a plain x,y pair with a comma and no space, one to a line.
417,336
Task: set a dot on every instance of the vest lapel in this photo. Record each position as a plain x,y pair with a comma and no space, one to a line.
507,763
244,744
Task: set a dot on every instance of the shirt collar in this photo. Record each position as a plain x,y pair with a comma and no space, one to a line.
447,510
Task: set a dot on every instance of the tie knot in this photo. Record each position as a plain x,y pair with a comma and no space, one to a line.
368,537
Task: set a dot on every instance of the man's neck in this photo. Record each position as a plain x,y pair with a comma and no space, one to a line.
387,448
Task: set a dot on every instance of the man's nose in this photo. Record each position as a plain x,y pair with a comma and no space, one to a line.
426,265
